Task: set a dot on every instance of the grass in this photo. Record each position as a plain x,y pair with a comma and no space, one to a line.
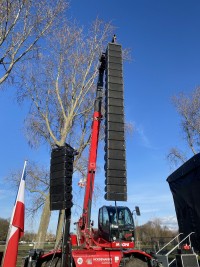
24,249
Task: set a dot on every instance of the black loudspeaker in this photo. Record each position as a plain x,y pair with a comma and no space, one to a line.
61,171
115,153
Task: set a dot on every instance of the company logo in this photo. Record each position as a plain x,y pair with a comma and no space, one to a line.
116,258
107,260
79,261
122,244
89,261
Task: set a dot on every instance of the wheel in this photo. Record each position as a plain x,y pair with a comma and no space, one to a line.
135,262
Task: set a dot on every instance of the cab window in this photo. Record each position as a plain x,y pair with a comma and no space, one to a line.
127,217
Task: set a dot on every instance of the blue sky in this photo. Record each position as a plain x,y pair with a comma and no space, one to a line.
164,39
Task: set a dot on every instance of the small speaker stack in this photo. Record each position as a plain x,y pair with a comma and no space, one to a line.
61,171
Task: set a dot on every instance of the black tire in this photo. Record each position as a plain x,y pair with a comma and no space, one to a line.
135,262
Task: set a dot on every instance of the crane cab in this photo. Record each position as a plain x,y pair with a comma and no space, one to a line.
116,223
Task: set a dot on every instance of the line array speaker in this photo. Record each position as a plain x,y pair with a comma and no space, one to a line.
115,153
61,171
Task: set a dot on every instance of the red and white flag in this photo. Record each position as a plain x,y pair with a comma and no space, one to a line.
16,229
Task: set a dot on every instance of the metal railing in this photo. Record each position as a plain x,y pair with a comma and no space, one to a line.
178,245
166,255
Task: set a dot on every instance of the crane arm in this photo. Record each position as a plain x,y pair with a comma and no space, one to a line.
84,222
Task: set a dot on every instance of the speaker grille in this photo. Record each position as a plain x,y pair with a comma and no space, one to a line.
115,152
61,170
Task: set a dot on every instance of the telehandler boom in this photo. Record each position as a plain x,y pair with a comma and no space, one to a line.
112,244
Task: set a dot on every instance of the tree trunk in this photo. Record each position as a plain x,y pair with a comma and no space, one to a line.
44,222
59,230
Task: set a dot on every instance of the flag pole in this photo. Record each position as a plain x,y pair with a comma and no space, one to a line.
16,227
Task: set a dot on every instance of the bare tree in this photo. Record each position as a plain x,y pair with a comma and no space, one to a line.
61,86
37,182
4,226
22,24
176,157
188,108
154,232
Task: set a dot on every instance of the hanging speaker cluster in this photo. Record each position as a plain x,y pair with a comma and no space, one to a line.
115,154
61,171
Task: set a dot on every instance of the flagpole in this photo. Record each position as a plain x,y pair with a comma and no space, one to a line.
22,177
16,227
19,189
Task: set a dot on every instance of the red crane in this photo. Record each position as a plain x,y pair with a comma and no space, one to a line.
84,224
112,244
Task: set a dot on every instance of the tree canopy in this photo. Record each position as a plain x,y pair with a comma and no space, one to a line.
22,25
56,78
188,107
4,225
60,85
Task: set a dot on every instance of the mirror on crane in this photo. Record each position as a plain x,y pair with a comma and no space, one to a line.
137,210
